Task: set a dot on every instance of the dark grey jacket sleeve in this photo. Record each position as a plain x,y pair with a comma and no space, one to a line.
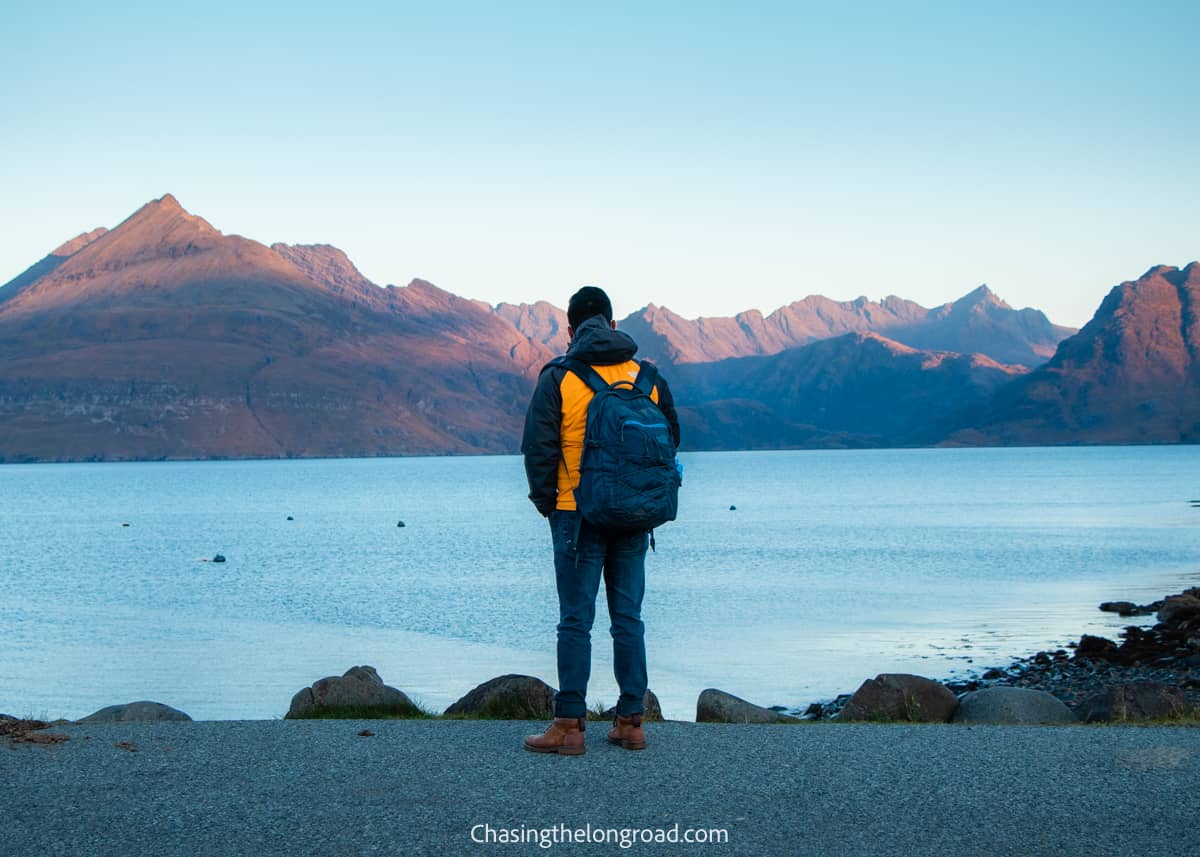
666,404
541,444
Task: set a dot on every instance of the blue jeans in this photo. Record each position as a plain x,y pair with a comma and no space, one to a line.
581,554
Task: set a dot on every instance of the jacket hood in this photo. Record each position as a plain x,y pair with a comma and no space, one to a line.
596,342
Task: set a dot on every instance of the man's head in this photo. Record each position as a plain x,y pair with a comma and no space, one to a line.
585,303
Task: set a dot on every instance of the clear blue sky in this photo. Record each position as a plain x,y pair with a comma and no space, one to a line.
708,156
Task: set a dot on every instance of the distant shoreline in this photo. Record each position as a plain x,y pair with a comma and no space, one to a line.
421,455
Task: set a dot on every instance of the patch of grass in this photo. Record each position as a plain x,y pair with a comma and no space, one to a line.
1183,718
880,720
599,713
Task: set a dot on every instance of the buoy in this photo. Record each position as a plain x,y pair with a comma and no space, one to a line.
124,525
400,524
219,558
733,508
290,518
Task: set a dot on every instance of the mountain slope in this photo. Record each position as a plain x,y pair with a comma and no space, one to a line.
48,263
980,322
977,323
1131,375
542,322
858,389
163,338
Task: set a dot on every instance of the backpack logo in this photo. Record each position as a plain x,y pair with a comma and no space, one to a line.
628,477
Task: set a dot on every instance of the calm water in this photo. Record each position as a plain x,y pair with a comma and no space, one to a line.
835,566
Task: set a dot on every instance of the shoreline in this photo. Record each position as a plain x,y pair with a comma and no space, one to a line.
1164,649
366,456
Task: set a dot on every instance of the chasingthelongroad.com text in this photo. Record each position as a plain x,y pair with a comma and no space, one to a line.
575,834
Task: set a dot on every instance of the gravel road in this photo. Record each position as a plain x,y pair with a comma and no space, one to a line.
265,788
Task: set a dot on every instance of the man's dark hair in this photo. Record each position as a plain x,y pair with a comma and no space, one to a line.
587,302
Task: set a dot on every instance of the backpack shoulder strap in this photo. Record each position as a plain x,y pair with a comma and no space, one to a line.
585,372
647,377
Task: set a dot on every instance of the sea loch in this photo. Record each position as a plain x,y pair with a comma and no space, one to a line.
834,566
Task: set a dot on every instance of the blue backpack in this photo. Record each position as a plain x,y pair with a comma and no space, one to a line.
628,477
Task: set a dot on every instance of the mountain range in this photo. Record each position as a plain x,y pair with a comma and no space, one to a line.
164,338
979,322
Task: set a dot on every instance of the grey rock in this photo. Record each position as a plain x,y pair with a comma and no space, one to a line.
507,697
651,713
908,698
1094,648
1177,608
1012,705
717,706
1139,700
360,693
135,712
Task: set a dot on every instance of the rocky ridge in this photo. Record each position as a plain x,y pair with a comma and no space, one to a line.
1131,375
163,338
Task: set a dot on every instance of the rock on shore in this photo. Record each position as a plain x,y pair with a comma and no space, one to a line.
507,697
135,712
651,710
1012,706
1140,700
909,698
1153,673
717,706
359,693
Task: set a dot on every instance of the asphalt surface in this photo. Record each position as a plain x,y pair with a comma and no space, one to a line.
420,787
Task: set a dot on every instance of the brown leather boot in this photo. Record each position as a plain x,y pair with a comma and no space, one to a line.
627,732
564,736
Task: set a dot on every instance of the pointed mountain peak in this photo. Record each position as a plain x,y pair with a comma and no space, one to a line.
649,314
164,213
176,248
982,296
654,311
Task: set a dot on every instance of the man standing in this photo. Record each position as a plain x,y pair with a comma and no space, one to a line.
553,446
